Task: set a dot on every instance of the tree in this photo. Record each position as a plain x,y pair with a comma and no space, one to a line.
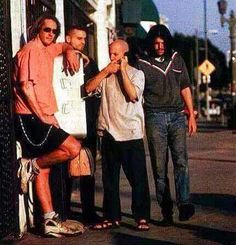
186,46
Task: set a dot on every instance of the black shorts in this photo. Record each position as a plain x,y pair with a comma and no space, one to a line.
37,138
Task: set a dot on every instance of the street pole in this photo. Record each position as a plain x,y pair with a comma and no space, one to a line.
198,73
232,30
222,5
206,58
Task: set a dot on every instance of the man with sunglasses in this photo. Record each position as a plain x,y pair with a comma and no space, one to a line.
44,143
76,36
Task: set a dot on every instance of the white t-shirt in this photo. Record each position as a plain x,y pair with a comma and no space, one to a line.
123,119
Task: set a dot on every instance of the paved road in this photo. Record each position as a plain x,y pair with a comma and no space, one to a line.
212,163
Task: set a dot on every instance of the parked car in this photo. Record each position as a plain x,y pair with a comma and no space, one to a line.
227,100
215,107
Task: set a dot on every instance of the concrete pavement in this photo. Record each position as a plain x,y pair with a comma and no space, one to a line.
212,165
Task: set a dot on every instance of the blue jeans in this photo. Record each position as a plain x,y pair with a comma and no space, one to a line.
167,130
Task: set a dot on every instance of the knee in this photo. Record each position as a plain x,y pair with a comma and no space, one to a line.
74,150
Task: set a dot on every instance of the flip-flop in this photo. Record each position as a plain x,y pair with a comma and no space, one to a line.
99,226
142,225
112,225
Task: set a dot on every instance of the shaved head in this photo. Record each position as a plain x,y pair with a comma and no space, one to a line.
117,49
123,45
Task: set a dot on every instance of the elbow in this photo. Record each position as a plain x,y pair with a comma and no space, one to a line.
186,90
133,98
25,87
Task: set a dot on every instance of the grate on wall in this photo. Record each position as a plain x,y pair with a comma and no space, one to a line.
8,184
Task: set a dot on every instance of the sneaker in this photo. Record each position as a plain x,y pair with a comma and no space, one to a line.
186,211
56,228
25,173
74,225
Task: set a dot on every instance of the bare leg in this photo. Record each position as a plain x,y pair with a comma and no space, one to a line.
43,190
68,150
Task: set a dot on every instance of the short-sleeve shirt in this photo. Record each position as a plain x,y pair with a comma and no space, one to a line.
123,119
34,63
163,83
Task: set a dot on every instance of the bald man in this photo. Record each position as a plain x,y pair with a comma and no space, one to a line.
121,125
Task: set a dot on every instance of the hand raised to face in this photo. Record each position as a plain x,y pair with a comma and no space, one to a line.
113,67
123,63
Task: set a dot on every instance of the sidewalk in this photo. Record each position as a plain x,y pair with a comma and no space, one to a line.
212,165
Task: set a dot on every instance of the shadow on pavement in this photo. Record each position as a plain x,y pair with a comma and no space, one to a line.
220,201
210,234
124,239
211,160
211,127
207,130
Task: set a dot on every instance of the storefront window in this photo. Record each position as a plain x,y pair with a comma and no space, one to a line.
34,8
75,14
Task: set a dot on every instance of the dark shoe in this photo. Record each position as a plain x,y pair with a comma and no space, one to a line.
167,221
186,211
91,219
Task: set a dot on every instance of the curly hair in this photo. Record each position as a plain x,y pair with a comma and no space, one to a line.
35,28
159,31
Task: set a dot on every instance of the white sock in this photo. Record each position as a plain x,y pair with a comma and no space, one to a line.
49,215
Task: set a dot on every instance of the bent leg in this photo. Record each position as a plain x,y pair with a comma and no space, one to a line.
68,150
43,192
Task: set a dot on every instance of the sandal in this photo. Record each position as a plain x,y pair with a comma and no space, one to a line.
142,225
100,226
112,225
106,224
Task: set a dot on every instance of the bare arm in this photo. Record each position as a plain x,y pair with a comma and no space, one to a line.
29,94
71,62
187,96
94,82
128,85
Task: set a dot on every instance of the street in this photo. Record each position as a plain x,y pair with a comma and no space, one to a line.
212,162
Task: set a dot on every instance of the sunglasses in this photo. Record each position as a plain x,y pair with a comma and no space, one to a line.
48,29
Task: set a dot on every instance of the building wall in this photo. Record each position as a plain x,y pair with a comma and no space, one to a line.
103,16
18,26
60,16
